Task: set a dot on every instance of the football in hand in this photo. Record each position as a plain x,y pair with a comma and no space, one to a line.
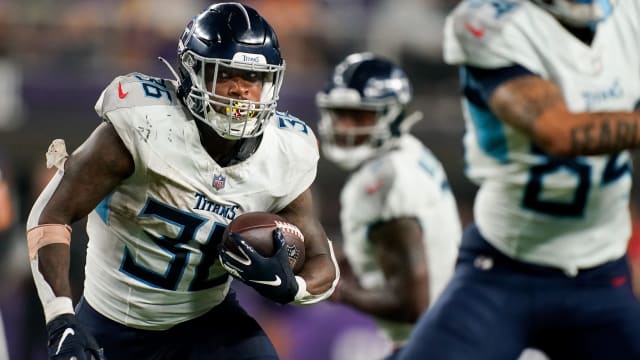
256,228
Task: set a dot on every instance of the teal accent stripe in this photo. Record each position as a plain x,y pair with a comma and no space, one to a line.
103,208
489,131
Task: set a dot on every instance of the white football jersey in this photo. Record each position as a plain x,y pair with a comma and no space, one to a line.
152,260
566,213
407,181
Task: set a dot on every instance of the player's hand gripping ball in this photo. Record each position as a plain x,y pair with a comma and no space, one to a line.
256,228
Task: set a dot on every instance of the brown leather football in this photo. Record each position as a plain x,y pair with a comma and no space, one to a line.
257,230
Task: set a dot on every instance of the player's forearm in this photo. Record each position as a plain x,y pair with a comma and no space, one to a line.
6,209
574,134
382,303
319,273
53,263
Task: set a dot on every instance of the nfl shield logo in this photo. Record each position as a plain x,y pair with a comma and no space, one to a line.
218,181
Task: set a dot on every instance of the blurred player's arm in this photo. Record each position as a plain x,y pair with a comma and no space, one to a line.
320,271
536,107
90,173
400,252
6,206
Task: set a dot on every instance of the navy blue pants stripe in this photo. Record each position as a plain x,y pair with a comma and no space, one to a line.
225,332
495,306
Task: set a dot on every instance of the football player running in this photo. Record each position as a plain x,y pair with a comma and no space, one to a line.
400,223
549,91
170,166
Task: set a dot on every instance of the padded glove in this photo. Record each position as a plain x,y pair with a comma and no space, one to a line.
271,276
68,340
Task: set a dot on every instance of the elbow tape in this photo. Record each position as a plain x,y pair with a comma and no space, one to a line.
43,235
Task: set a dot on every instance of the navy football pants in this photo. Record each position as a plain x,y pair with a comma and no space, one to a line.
225,332
495,306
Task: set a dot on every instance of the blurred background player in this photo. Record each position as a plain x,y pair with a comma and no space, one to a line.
6,221
549,91
171,165
400,223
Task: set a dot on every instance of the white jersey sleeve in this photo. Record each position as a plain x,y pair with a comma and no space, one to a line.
125,104
408,182
488,34
299,143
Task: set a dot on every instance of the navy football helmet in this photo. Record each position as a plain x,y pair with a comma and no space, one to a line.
229,37
578,13
363,81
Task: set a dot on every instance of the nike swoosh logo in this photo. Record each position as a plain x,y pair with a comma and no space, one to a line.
246,261
121,94
275,282
67,332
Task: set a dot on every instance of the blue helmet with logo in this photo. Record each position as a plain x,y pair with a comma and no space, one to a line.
229,36
364,81
578,13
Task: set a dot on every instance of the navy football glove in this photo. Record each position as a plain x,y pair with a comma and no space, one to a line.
67,340
271,276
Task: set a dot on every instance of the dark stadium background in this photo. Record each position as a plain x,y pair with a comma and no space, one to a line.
56,56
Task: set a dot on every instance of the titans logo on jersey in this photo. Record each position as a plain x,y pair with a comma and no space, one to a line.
155,236
405,182
567,213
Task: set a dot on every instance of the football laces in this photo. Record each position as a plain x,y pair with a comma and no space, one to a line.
290,228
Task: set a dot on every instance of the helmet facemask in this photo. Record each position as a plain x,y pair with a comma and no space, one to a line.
231,118
348,147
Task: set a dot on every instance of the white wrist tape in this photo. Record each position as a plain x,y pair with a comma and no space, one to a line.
304,297
58,306
302,289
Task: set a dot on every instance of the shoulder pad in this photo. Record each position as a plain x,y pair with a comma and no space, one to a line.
381,175
487,33
296,137
289,122
486,17
135,89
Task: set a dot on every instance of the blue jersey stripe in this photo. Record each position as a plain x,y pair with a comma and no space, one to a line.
103,208
489,132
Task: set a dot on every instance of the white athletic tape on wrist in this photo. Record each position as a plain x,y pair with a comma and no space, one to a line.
304,297
58,306
302,289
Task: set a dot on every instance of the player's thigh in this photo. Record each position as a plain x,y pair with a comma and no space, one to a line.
228,332
612,332
121,342
607,320
478,316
